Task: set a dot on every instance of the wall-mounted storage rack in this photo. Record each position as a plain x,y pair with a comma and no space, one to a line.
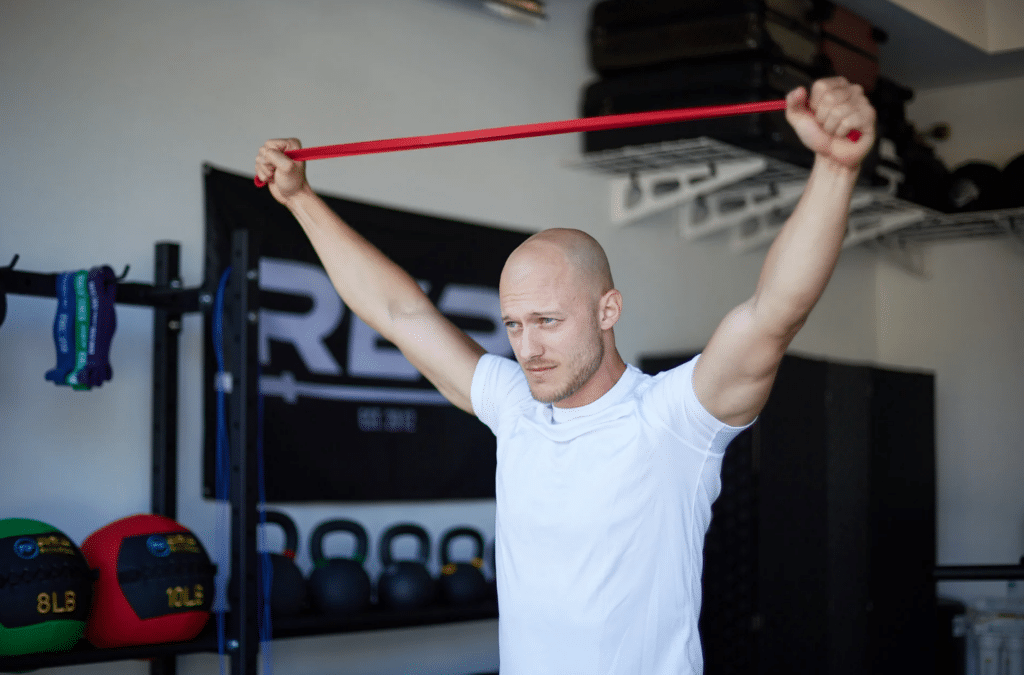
714,187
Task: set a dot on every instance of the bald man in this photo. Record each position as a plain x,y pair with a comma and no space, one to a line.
605,475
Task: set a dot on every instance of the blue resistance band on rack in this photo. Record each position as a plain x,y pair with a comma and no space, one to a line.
265,566
63,330
223,485
223,472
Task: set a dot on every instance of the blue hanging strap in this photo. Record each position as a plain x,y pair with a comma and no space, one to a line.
63,330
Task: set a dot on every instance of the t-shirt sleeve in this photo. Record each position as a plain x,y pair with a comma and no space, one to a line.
498,384
674,401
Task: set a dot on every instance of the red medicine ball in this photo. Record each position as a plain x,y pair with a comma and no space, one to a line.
155,582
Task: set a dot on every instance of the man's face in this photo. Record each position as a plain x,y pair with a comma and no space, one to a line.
552,326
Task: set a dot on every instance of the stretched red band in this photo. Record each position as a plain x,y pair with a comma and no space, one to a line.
541,129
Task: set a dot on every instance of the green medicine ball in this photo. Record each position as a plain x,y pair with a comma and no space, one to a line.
45,588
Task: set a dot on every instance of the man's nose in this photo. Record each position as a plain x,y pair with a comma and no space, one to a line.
530,346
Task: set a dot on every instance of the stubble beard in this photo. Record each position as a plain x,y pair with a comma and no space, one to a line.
582,367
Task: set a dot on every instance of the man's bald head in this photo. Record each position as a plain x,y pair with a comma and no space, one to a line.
578,254
559,307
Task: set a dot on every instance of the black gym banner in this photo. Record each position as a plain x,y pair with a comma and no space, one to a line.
345,416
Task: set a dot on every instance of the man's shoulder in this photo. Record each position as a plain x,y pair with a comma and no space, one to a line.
676,378
497,365
498,386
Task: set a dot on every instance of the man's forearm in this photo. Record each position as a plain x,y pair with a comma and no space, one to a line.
804,254
373,286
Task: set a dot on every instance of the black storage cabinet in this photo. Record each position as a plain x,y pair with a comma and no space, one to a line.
821,547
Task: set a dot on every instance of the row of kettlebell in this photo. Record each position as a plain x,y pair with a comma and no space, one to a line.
341,585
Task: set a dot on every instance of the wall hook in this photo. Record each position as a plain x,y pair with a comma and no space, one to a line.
14,261
125,273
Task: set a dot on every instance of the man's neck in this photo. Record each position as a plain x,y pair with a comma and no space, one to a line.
599,384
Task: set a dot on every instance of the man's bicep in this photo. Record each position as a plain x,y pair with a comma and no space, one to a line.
441,352
734,375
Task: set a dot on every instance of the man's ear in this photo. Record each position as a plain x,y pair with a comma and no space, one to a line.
609,309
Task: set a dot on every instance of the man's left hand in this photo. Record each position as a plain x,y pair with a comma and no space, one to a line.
824,118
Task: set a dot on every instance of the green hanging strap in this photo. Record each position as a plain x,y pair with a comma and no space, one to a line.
82,320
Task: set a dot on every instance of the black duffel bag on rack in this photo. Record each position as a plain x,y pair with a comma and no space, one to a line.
890,102
630,35
740,80
923,176
851,44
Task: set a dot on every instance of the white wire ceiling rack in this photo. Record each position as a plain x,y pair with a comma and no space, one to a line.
714,187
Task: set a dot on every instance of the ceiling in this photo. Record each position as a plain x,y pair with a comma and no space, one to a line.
921,55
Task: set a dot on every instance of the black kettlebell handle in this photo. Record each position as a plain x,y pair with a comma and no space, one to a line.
291,532
456,532
340,525
399,530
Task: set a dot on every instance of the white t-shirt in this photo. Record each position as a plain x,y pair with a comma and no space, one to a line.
601,517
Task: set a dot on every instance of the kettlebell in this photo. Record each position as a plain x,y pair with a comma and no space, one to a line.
288,592
462,583
405,584
339,585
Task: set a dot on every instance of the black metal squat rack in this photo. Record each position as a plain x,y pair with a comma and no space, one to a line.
170,301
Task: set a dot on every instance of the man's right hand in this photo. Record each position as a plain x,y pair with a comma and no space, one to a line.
284,176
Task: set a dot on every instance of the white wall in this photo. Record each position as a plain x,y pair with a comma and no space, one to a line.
990,25
965,19
110,107
984,119
965,322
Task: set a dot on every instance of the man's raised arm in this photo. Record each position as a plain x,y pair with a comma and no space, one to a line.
734,375
377,290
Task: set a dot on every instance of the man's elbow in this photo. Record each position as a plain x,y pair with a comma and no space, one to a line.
782,320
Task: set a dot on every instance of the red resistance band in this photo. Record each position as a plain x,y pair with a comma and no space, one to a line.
542,129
